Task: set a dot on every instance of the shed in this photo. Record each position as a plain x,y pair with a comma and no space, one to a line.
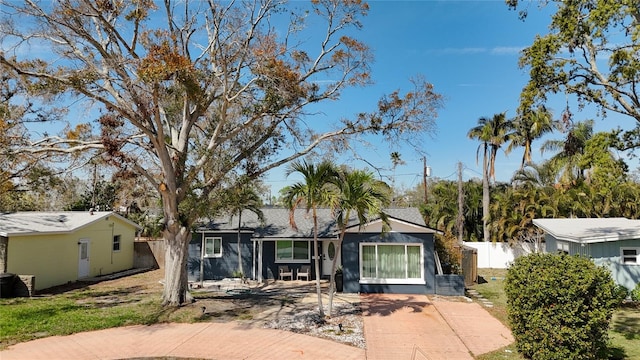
62,247
610,242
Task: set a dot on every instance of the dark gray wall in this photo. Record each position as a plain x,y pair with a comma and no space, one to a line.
222,267
271,267
351,263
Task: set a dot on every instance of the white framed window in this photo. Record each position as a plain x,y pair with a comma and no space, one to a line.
212,247
116,243
630,256
390,263
292,251
562,247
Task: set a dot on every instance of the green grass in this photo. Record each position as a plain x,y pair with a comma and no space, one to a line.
624,331
25,319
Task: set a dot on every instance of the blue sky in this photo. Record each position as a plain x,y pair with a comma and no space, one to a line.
469,50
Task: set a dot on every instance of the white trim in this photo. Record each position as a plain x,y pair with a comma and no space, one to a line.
113,242
370,280
622,256
393,281
204,248
562,246
292,260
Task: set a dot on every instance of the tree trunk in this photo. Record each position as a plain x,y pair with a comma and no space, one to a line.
316,261
485,197
176,289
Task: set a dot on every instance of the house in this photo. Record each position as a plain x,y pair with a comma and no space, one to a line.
62,247
402,260
611,242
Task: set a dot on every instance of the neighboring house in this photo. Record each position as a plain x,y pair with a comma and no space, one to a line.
610,242
399,261
62,247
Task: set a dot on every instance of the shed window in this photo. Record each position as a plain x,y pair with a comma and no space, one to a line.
629,256
563,247
116,243
292,251
391,263
213,247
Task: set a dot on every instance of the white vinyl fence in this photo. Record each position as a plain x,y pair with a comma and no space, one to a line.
500,255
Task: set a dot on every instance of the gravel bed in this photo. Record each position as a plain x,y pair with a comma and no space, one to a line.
345,326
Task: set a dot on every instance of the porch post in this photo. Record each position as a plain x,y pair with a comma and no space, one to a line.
202,260
260,261
253,262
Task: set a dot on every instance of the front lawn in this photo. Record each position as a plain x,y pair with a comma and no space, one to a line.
624,332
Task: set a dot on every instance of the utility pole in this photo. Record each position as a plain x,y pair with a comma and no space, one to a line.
424,177
460,218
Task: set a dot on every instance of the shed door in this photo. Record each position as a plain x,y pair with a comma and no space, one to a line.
83,258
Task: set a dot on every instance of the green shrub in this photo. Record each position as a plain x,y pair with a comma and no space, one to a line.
559,306
635,293
621,293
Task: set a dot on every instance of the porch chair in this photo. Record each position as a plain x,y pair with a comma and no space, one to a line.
283,272
304,272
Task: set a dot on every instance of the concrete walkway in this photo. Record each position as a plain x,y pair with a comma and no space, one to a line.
231,340
395,326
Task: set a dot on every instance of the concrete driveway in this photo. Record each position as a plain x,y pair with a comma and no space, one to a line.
395,326
419,327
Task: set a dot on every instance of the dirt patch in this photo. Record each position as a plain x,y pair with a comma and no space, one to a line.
285,305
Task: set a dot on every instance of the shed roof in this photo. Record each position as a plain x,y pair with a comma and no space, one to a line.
276,222
590,230
59,222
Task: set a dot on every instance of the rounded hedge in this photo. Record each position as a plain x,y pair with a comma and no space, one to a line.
559,306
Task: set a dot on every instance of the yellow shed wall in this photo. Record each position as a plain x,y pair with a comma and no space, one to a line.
53,259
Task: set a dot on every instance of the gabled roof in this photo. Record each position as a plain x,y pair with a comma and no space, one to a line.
60,222
590,230
276,222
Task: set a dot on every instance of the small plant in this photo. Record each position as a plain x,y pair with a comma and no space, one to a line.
237,274
635,293
559,306
621,293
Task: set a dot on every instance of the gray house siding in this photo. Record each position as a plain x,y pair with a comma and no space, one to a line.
609,255
351,263
606,254
216,268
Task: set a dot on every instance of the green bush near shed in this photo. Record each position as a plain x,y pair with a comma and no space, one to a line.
559,306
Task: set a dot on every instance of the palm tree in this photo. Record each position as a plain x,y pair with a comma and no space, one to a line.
492,133
530,126
318,188
362,194
244,197
569,152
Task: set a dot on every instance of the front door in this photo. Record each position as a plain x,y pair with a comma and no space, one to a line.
328,253
83,258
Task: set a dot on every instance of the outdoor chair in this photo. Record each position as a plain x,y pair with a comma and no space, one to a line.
304,272
283,272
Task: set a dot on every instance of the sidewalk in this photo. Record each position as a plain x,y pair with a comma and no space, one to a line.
232,340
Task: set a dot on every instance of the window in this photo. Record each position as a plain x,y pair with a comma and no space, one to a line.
563,247
212,247
391,263
629,256
116,243
292,251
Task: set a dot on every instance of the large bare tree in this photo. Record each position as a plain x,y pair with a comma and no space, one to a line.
191,92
